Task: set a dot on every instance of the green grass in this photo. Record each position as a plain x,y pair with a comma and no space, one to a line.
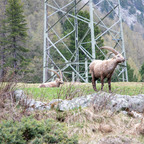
42,93
64,92
128,88
70,91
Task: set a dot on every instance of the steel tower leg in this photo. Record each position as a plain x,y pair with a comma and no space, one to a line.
91,25
76,43
125,73
45,45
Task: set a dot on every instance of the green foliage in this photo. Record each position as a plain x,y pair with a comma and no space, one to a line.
135,3
142,72
132,10
33,72
15,31
107,7
82,28
115,77
29,130
132,27
140,18
86,42
131,76
124,3
139,5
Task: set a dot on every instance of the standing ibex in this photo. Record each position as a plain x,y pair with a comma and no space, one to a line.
104,68
55,83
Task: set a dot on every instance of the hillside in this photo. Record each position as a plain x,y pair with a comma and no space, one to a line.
34,10
133,27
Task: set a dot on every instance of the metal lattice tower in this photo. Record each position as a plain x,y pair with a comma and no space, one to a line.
56,42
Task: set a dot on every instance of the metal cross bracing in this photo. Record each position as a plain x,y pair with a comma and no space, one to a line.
58,54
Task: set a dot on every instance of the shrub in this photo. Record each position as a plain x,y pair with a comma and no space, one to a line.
132,10
30,130
8,108
142,72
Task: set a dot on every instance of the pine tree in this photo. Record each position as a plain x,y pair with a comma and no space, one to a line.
16,34
142,72
82,28
131,76
2,39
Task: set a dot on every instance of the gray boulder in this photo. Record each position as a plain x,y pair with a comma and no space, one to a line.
29,102
19,95
135,103
38,105
83,101
114,102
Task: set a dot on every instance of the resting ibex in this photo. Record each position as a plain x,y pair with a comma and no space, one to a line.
101,69
55,83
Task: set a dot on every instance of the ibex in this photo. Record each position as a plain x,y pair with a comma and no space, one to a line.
55,83
101,69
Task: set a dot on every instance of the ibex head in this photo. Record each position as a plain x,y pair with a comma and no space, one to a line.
59,78
118,57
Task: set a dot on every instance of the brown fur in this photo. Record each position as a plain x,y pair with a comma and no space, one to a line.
55,83
101,69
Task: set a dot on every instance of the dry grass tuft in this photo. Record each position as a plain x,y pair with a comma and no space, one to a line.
91,126
7,104
9,108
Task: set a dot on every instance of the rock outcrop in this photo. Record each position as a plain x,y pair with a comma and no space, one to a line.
114,102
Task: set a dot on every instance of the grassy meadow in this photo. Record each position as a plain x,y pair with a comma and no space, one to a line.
70,90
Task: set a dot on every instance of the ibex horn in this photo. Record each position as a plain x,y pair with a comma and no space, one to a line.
110,49
55,73
60,74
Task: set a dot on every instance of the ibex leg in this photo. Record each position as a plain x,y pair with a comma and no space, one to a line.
102,83
93,82
109,84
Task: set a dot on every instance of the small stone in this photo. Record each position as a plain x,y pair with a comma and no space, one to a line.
105,128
